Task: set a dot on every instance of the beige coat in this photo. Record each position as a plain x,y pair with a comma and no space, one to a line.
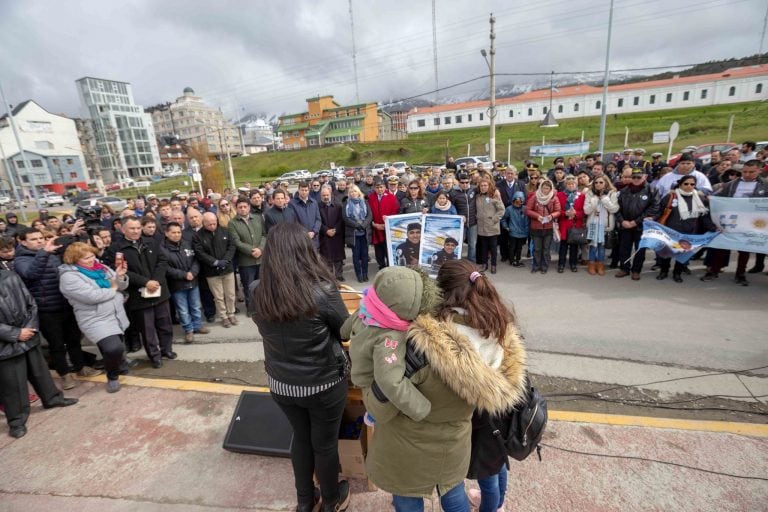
490,210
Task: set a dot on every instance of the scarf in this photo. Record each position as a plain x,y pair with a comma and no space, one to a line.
356,209
375,313
443,208
571,198
597,225
543,198
98,273
697,208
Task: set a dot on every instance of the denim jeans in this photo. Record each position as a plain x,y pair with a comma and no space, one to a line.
454,500
248,275
360,255
492,491
189,308
471,240
542,241
597,253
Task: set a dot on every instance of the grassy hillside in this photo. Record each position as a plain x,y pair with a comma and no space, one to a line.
697,126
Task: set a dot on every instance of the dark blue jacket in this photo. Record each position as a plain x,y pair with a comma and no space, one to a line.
40,272
308,215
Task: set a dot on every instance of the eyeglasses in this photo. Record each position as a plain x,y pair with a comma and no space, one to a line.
413,188
637,177
464,182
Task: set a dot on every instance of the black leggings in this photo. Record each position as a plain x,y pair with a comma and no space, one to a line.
112,350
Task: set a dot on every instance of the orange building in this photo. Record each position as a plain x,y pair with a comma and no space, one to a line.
326,122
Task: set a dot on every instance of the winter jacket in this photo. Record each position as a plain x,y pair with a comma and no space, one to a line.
534,209
308,215
181,260
464,201
692,226
761,189
331,217
388,205
99,311
146,262
306,351
608,201
490,210
516,221
247,235
450,211
275,216
410,458
17,309
564,222
40,272
378,354
352,227
213,247
637,205
508,192
409,205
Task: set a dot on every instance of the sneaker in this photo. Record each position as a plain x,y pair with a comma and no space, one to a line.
474,497
113,386
233,320
342,503
226,323
189,337
203,330
87,371
69,381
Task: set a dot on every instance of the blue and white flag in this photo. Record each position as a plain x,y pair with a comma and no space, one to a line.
668,243
560,149
743,221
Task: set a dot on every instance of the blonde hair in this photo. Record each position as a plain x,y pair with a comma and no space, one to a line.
77,251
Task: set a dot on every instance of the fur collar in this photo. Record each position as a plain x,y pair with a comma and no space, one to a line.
452,356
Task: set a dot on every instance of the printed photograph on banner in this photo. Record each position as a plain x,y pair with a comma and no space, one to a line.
441,239
403,239
743,221
668,243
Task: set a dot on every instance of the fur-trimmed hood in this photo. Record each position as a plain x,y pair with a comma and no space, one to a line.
453,357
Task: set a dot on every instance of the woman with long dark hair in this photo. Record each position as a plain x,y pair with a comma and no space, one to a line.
299,312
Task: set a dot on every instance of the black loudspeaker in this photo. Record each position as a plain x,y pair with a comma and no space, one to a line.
259,426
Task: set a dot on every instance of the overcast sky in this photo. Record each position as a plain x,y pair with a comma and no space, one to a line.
249,56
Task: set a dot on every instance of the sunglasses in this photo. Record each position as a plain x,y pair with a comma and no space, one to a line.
637,177
413,188
464,182
688,183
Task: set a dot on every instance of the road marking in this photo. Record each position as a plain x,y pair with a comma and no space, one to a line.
747,429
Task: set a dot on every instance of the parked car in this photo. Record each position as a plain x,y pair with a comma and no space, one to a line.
7,202
116,204
380,167
82,194
400,166
703,153
761,145
339,174
51,199
480,162
322,172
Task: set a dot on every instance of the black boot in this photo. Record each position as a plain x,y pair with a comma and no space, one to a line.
662,275
342,503
574,268
676,277
560,269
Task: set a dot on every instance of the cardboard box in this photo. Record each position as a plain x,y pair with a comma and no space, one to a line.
352,452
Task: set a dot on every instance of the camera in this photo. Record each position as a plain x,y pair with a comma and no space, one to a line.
91,214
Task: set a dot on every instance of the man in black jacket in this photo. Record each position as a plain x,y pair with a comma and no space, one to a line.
215,250
463,198
507,186
637,201
37,262
280,211
148,292
21,358
183,269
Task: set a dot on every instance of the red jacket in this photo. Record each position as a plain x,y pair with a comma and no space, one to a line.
387,206
577,221
534,209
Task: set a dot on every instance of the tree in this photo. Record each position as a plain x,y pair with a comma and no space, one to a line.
213,173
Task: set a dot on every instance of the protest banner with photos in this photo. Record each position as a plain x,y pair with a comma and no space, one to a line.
743,221
441,240
668,243
403,238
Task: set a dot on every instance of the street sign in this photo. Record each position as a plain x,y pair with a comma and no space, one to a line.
197,177
660,137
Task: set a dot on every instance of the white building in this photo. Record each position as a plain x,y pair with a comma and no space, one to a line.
191,120
731,86
51,146
258,136
125,139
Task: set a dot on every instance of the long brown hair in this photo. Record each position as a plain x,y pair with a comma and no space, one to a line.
290,272
485,310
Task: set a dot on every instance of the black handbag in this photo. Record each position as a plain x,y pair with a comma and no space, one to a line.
611,239
576,236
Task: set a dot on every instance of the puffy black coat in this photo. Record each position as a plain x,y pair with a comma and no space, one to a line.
146,262
17,309
181,260
307,351
210,246
637,205
464,201
410,205
40,272
275,216
692,226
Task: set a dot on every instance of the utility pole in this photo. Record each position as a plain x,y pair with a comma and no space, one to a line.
434,49
27,166
9,170
762,37
492,113
603,105
354,52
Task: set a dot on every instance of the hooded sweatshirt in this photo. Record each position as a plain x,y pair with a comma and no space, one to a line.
515,220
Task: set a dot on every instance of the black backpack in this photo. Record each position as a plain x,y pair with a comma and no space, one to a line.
520,430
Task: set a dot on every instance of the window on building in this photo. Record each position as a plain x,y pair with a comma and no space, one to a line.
511,113
421,123
575,107
636,101
458,119
758,88
559,109
530,112
652,99
55,161
481,116
703,94
36,163
447,119
436,121
544,110
598,104
686,95
669,97
70,161
621,102
469,118
25,179
73,175
732,91
19,164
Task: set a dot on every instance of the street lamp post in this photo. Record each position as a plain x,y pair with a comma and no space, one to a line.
549,120
492,69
